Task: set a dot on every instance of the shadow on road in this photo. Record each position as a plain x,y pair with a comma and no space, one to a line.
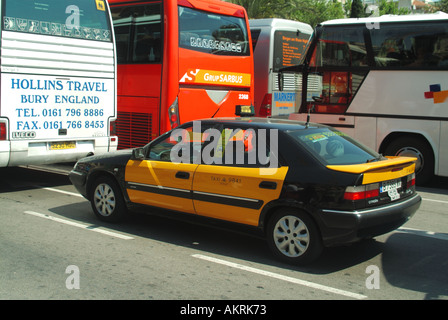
220,238
416,263
20,178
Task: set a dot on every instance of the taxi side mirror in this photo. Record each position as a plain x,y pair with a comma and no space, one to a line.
138,154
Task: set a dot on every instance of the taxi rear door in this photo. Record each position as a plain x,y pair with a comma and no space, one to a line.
236,190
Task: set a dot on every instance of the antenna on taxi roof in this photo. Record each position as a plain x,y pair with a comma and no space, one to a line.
308,116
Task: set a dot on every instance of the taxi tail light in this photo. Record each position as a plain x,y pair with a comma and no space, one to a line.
266,106
2,131
362,192
411,180
173,114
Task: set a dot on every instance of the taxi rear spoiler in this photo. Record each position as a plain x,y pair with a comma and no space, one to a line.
391,168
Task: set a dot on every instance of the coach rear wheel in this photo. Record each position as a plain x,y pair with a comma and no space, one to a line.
414,147
293,237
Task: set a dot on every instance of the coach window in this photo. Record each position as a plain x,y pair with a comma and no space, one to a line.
420,46
338,66
212,33
138,33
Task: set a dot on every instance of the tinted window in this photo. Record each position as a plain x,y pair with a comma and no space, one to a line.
333,147
84,19
247,147
217,145
162,150
212,33
255,33
411,45
138,33
341,46
288,48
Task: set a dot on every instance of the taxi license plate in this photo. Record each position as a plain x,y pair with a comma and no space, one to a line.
62,145
391,187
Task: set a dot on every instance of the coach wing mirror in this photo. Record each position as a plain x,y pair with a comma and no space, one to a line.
138,154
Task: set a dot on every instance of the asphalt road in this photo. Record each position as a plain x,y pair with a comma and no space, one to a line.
52,247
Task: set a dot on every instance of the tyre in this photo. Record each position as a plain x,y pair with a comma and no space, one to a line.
106,200
294,237
418,148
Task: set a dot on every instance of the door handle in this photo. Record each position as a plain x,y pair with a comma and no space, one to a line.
182,175
268,185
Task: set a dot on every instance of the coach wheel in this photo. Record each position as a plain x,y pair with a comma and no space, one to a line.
106,200
294,237
417,148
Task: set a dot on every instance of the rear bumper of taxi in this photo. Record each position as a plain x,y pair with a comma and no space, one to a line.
342,227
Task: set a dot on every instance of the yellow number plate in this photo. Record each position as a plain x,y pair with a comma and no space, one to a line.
62,145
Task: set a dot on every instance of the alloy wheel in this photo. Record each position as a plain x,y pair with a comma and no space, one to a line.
291,236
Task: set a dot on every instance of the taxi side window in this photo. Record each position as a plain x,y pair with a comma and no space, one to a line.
183,145
245,147
171,147
162,150
215,146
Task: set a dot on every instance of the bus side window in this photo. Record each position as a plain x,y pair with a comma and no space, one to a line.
148,43
144,23
405,47
148,46
441,50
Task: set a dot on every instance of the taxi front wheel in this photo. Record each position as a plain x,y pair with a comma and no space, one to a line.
106,200
293,236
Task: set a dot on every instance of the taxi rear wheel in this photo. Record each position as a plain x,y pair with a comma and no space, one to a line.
293,236
106,200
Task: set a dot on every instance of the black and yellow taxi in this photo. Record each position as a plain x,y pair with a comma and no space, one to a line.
305,185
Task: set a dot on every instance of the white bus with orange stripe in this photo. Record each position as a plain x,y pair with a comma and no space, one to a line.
384,81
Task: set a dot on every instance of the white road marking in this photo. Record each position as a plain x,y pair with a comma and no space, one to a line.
434,200
281,277
80,225
424,233
64,192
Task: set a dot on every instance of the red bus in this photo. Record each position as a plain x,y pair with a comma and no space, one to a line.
178,60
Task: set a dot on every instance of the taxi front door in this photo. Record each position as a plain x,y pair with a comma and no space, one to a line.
159,181
161,184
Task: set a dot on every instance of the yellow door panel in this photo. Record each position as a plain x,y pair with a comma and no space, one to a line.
161,201
235,194
160,183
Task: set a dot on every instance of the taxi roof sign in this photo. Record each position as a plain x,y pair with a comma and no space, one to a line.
246,111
